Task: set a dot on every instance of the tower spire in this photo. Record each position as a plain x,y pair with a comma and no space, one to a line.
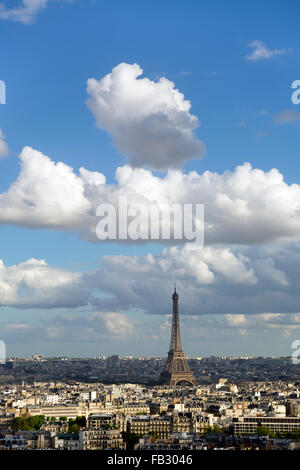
175,342
176,369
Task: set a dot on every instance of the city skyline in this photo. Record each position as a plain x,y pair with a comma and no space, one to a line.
163,105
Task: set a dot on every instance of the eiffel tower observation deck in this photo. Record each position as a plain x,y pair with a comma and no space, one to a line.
176,370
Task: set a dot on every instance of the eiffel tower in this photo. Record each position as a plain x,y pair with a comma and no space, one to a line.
176,370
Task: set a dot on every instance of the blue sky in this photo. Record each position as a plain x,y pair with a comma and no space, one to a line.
202,47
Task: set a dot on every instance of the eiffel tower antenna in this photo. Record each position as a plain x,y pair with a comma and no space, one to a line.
176,369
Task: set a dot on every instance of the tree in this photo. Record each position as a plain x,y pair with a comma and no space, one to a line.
63,418
212,430
81,421
216,429
264,431
106,426
78,422
296,433
21,424
28,423
73,428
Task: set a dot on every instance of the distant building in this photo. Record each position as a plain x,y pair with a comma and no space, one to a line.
55,427
88,396
113,362
293,408
52,399
66,441
57,411
107,420
14,442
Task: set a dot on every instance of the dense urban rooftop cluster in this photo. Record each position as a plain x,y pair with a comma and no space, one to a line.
145,370
71,404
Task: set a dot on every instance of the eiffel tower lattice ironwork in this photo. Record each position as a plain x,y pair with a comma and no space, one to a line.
176,368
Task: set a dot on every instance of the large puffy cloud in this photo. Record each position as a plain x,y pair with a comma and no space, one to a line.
45,194
214,280
149,121
247,205
244,206
34,283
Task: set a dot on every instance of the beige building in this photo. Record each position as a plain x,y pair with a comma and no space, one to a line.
68,411
201,423
139,425
161,426
248,425
182,422
99,439
55,427
293,408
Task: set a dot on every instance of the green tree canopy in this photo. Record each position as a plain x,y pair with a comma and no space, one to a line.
28,423
264,431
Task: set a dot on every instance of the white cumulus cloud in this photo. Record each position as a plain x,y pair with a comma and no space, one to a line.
214,280
150,122
46,194
245,206
262,52
34,283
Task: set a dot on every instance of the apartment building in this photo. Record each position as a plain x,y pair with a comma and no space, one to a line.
99,439
248,425
68,411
